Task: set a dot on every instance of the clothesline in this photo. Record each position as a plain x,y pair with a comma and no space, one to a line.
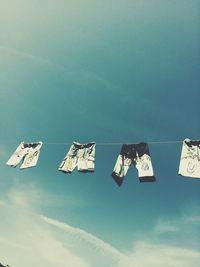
107,143
115,143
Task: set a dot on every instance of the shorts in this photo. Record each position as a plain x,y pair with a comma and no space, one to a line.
139,155
190,159
29,152
81,156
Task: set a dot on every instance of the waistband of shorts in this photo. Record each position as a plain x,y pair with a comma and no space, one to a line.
134,145
130,150
192,142
78,145
33,145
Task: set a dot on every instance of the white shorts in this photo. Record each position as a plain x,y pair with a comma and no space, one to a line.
81,156
190,159
29,152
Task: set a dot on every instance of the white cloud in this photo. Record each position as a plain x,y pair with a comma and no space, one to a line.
171,243
39,198
166,226
86,236
193,219
147,254
26,241
30,239
2,203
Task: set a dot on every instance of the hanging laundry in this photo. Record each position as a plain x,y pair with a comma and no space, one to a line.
190,159
29,152
139,155
81,156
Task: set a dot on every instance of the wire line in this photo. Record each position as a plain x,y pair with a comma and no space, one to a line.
115,143
105,143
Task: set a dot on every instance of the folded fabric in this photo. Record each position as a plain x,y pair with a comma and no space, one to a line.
139,155
190,158
28,152
81,156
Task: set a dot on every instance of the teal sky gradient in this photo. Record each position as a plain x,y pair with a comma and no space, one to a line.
108,71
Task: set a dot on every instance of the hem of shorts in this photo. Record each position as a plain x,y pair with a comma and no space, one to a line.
10,165
183,175
117,179
65,171
22,168
85,171
144,179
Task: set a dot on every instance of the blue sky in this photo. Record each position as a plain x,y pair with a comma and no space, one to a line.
108,71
